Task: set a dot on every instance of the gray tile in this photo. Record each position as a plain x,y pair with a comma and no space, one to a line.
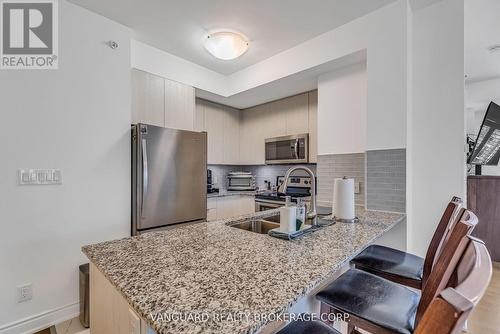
334,166
386,180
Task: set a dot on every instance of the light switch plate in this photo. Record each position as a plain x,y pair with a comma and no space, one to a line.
356,187
39,176
24,293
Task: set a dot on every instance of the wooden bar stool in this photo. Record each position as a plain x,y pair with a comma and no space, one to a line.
380,306
405,268
447,313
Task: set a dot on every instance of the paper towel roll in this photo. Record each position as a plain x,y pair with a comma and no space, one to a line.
288,222
343,199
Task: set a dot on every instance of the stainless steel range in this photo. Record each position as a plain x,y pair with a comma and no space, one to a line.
298,187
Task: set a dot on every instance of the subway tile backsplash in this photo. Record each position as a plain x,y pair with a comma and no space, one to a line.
381,174
262,173
386,180
334,166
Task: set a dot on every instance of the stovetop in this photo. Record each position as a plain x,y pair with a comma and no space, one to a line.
275,196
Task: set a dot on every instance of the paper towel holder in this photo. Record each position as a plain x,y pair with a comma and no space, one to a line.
343,220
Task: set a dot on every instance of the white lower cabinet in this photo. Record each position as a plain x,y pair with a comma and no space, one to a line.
229,206
109,311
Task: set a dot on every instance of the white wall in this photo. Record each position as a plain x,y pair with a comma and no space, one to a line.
436,131
76,118
342,111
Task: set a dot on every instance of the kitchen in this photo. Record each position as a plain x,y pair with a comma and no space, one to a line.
186,211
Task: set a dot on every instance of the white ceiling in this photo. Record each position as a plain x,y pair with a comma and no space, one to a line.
482,29
178,26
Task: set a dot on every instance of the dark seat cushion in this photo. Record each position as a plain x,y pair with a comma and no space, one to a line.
307,327
373,298
380,259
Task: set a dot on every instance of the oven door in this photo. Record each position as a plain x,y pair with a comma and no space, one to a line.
264,205
287,150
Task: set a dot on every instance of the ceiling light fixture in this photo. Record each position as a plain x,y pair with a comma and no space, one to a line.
226,45
494,48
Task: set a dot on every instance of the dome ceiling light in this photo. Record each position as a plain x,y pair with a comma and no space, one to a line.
226,45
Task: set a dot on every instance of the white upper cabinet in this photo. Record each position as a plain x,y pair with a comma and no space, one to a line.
283,117
214,125
256,124
290,115
237,137
231,133
162,102
199,116
179,106
222,125
147,98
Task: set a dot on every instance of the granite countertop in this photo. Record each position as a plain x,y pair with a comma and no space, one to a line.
224,193
217,271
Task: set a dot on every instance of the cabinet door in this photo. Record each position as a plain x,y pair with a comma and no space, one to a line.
214,125
247,205
231,133
179,106
289,116
253,133
313,126
199,116
274,121
211,215
147,98
297,115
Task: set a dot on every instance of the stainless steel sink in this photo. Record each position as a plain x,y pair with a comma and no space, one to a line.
274,219
257,225
264,225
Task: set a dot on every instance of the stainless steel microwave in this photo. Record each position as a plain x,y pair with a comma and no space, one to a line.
287,150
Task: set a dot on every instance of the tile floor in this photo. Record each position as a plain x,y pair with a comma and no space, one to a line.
485,318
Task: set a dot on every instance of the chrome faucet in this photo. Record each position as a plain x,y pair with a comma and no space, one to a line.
311,213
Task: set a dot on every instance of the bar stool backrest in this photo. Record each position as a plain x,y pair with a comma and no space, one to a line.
441,236
448,260
448,312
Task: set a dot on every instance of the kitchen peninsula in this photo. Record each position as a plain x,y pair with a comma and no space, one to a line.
217,270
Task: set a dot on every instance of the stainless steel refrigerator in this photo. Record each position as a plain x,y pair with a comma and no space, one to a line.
169,177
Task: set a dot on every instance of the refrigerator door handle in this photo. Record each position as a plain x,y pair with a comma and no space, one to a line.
144,174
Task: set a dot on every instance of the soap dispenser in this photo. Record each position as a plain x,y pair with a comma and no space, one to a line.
288,215
301,214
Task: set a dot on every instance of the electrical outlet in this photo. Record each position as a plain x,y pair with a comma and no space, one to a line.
24,293
356,187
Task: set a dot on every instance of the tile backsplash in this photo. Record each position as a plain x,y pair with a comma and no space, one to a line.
380,173
386,180
262,173
334,166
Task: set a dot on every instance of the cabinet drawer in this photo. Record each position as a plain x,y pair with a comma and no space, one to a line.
211,215
212,203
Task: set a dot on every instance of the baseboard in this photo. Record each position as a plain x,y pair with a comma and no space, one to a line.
42,320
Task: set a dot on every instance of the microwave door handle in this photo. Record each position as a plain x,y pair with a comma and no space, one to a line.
144,174
296,148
